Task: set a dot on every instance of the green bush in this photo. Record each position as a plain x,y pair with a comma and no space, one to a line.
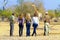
6,13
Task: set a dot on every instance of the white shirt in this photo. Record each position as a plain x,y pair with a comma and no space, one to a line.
35,20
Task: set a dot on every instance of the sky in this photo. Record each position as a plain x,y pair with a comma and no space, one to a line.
48,4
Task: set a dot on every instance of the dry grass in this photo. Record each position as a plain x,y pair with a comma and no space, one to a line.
54,33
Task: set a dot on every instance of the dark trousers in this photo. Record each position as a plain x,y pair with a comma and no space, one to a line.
11,29
20,29
35,27
28,29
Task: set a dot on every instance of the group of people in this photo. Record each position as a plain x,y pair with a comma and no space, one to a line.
34,20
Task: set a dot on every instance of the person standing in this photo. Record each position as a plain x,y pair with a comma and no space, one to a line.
35,19
21,24
28,24
35,22
12,21
46,24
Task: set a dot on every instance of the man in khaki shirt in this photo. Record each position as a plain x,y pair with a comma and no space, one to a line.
46,24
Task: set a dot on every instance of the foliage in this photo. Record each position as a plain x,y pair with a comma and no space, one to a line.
57,13
51,13
1,13
6,13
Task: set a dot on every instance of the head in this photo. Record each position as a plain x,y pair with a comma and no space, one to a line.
46,13
20,16
28,16
35,14
13,13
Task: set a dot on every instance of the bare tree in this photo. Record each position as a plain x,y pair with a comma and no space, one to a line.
5,3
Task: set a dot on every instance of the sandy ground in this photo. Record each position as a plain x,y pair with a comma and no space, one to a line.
54,32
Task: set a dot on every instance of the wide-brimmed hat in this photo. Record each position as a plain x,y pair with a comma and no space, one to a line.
46,12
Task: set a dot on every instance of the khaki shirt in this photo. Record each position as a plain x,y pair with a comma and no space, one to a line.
47,18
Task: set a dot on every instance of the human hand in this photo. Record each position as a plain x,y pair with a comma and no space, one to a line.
33,5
